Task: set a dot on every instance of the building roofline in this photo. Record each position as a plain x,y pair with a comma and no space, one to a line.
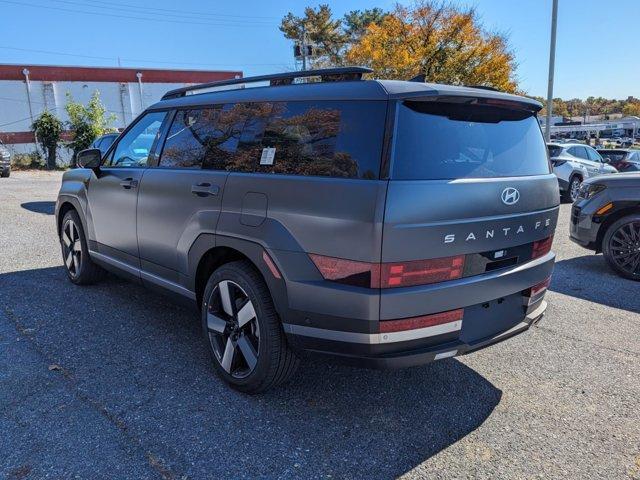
63,73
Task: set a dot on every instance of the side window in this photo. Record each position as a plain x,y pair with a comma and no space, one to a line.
133,149
593,155
578,152
106,143
326,138
204,138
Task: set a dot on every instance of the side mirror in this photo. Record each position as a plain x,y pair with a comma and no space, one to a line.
90,158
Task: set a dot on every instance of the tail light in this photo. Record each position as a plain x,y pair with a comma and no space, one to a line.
421,272
536,292
389,275
557,163
541,247
424,321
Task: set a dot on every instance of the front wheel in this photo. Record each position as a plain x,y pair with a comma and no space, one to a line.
621,246
574,188
75,254
242,330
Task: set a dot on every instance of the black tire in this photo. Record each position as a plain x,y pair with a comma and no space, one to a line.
621,246
6,172
571,193
268,360
75,255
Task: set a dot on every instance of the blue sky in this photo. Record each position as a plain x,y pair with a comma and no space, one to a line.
598,42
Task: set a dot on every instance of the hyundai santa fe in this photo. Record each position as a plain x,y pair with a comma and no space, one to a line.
381,223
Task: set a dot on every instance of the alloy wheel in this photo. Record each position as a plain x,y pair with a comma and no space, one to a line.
625,248
233,329
71,248
575,188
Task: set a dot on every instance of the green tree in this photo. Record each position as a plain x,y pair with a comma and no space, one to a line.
356,22
48,128
86,122
319,28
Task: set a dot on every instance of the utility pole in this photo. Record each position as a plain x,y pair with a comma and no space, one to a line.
304,47
552,62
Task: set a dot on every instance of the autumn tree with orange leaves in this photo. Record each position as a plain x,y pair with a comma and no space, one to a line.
444,42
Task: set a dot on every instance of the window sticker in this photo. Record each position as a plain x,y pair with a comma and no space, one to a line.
268,154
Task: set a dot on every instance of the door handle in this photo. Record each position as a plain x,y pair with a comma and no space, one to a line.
205,190
129,183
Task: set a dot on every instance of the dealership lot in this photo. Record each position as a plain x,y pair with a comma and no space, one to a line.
111,379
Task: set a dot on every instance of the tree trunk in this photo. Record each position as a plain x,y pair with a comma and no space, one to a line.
51,158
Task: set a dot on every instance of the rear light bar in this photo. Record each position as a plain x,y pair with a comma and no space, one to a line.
541,247
536,292
424,321
389,275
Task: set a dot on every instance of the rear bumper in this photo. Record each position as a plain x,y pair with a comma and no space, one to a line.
349,354
494,308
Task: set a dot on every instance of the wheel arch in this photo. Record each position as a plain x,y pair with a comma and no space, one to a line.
66,204
611,219
210,251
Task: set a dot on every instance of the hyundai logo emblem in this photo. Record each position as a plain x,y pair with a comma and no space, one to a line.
510,196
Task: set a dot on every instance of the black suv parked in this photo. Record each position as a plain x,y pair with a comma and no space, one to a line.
384,223
606,218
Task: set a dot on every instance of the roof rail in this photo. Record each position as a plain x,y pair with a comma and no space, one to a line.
327,74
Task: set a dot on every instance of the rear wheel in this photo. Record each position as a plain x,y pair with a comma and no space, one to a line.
80,268
574,188
243,331
621,246
6,172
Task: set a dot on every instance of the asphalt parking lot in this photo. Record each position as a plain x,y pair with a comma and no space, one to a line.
112,381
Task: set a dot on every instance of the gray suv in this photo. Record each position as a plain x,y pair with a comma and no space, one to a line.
380,223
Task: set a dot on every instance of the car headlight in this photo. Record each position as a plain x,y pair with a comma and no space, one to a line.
590,190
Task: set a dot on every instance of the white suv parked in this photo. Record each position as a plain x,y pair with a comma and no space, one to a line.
573,163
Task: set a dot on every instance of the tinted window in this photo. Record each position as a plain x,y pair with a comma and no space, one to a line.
133,149
435,140
579,152
634,157
554,150
207,138
325,138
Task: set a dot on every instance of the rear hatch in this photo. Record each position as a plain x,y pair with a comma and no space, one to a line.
470,183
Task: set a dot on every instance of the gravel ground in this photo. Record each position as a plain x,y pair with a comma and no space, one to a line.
112,381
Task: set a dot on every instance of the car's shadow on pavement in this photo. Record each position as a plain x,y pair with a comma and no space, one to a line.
590,278
141,360
47,208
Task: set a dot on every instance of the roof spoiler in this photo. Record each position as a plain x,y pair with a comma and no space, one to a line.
287,78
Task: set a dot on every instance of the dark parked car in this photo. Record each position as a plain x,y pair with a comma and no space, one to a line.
104,142
5,161
624,160
606,218
382,223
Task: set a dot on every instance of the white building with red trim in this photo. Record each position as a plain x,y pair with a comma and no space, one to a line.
28,90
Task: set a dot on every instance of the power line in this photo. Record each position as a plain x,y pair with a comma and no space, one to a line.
130,17
181,13
147,12
166,62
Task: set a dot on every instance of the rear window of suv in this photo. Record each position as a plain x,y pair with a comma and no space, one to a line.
443,141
